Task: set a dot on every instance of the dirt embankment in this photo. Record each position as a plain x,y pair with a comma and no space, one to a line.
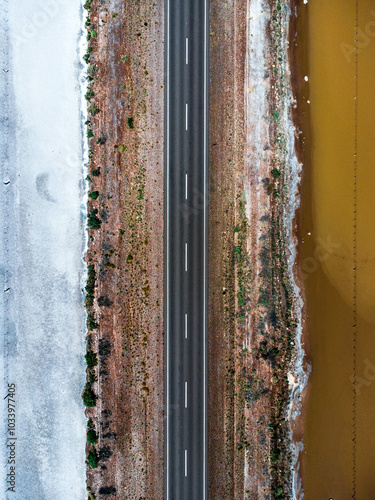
226,152
252,307
125,255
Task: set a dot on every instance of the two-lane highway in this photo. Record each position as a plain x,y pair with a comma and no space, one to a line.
186,200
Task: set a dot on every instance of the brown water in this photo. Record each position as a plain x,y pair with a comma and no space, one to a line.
337,349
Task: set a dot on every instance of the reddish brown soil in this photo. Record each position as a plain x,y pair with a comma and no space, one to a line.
127,250
226,143
250,298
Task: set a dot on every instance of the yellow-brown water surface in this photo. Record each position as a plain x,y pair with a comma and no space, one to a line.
338,257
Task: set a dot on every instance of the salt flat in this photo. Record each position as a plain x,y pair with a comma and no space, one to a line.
42,239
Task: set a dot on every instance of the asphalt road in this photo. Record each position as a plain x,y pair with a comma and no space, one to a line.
186,250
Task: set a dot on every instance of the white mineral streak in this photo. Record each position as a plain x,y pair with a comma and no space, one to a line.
299,374
257,86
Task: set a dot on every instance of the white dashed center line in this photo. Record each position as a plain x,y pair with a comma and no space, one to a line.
186,124
187,51
186,396
186,257
186,471
186,326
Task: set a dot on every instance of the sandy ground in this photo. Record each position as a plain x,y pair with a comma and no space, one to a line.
41,245
127,250
253,302
227,49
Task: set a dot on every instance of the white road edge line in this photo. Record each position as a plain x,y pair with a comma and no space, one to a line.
167,257
186,471
187,50
186,395
186,325
186,257
204,248
186,124
186,186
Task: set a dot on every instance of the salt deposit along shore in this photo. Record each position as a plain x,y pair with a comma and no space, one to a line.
42,213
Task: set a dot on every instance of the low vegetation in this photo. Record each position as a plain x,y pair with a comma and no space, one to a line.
92,437
88,396
93,221
90,285
91,323
93,109
93,459
94,195
91,359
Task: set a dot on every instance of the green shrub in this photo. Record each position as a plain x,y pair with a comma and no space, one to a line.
92,437
88,4
93,459
91,323
275,173
88,397
89,94
275,455
94,195
90,285
107,490
92,377
91,279
90,133
96,172
91,359
86,57
130,122
93,221
92,71
93,109
89,300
